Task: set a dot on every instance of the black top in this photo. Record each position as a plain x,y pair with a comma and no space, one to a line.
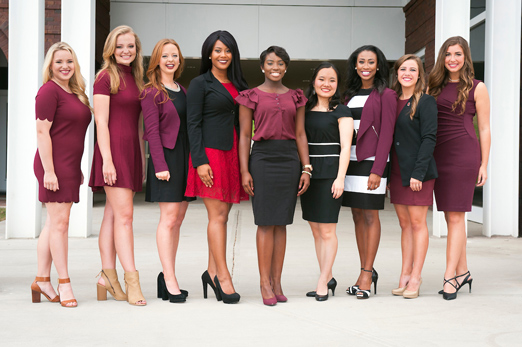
414,141
179,99
324,142
211,117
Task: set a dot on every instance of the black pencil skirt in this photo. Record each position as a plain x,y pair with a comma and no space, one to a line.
318,204
275,169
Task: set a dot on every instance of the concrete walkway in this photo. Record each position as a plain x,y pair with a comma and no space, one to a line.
490,316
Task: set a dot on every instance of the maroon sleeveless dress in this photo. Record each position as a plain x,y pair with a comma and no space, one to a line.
457,152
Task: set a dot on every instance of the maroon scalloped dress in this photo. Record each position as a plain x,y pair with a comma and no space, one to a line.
70,118
457,152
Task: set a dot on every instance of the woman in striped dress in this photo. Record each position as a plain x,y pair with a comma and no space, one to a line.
373,107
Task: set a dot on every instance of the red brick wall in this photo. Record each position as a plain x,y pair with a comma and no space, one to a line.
420,29
4,26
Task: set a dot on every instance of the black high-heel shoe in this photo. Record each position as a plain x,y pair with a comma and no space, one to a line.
467,280
375,277
353,289
450,296
332,284
164,293
162,284
206,280
227,298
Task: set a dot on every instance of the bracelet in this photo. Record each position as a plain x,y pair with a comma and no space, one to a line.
307,172
308,166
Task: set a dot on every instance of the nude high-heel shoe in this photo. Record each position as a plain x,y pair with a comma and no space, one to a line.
112,285
133,289
408,294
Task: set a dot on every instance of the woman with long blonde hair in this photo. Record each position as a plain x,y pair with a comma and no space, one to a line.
461,160
164,106
413,169
63,114
118,165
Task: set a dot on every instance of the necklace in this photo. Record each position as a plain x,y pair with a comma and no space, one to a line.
67,90
453,80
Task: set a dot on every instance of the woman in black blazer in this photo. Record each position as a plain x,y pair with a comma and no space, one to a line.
413,169
212,121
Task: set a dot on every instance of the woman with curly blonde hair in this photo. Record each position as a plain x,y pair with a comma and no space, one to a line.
63,114
119,158
461,161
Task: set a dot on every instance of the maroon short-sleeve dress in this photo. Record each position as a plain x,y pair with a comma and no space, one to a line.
70,118
124,114
457,152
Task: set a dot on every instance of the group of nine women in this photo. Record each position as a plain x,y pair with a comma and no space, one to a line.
328,148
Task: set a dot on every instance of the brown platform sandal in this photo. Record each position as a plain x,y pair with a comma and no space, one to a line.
133,289
65,302
36,291
112,285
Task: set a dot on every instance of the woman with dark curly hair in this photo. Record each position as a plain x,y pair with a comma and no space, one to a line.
373,107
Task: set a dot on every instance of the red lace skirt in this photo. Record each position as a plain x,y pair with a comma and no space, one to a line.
227,179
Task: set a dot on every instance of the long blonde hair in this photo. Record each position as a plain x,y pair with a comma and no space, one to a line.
439,76
419,86
109,61
76,82
154,72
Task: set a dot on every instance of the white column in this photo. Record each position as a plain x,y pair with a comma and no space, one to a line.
451,19
78,30
503,49
26,53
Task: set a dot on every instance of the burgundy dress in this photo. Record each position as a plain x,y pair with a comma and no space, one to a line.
457,152
225,168
70,118
404,195
124,114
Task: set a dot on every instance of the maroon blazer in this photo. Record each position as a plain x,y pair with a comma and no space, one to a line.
375,135
161,125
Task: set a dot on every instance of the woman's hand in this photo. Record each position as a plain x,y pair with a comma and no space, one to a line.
82,179
415,185
304,183
248,183
109,172
482,176
338,188
374,181
206,175
163,175
51,181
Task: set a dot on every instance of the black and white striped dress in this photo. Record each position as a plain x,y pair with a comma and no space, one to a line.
356,193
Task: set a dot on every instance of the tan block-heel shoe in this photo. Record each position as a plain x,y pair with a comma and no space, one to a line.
36,291
408,294
112,285
133,289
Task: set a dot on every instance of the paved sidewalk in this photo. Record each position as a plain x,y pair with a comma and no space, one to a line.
490,316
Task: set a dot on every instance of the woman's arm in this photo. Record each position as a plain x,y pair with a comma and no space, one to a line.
483,110
346,133
142,146
245,137
302,148
101,104
45,149
427,113
388,116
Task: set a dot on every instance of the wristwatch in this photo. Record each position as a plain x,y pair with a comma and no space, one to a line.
308,166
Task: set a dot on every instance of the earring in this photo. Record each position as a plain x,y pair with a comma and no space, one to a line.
209,58
263,71
377,69
355,68
286,70
313,92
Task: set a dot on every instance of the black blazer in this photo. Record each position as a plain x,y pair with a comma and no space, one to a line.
415,139
211,117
